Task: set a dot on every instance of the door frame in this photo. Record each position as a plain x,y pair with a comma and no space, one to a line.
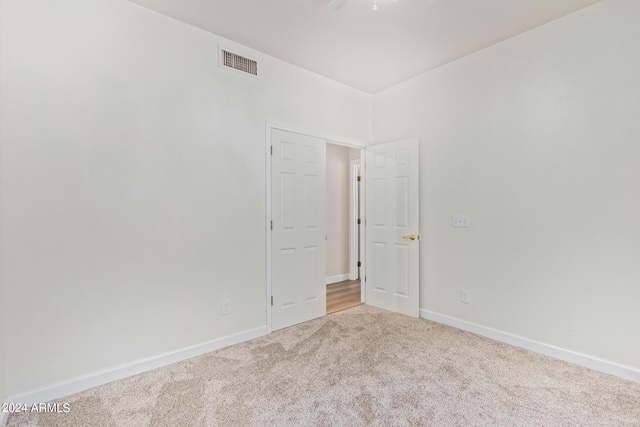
354,228
356,232
269,126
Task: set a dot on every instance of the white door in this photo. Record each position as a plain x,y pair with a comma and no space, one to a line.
393,227
298,208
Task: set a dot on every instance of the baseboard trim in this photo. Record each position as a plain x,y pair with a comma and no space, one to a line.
86,382
622,371
4,417
338,278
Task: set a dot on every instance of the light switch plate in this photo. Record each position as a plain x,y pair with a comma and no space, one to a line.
461,221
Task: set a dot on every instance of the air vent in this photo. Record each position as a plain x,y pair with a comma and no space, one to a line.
238,63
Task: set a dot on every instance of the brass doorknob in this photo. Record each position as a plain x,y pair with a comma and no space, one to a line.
411,237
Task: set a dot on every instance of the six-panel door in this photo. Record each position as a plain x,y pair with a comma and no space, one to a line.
392,227
298,208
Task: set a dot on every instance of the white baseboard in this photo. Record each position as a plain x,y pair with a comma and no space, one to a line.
109,375
622,371
4,416
338,278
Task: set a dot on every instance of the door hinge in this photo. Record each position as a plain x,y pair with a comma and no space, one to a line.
272,150
358,221
271,225
359,264
358,178
365,278
271,299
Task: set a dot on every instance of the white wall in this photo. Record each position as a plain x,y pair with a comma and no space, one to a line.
354,154
337,217
536,139
134,172
3,381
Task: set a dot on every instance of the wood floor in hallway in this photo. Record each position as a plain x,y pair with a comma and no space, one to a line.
343,295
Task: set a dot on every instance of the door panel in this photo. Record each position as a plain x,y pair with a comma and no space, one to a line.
298,207
392,277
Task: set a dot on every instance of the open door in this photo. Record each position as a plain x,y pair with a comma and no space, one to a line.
298,208
393,227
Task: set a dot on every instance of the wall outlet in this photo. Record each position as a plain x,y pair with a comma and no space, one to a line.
226,307
465,296
461,221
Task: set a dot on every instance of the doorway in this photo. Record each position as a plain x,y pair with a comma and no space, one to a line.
296,227
343,227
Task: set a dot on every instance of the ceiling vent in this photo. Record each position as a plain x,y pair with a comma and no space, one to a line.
241,64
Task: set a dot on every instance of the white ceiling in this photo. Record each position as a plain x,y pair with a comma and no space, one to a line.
359,47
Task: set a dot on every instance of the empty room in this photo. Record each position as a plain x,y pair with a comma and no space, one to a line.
168,212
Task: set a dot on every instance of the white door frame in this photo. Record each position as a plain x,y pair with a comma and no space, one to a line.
269,125
354,202
363,229
356,209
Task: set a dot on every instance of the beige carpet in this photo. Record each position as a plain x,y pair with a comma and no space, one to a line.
359,367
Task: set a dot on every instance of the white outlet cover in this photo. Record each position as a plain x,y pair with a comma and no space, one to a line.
465,296
226,307
460,221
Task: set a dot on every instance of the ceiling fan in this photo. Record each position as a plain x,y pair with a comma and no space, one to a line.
337,4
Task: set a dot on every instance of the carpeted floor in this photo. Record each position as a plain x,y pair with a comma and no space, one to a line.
359,367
